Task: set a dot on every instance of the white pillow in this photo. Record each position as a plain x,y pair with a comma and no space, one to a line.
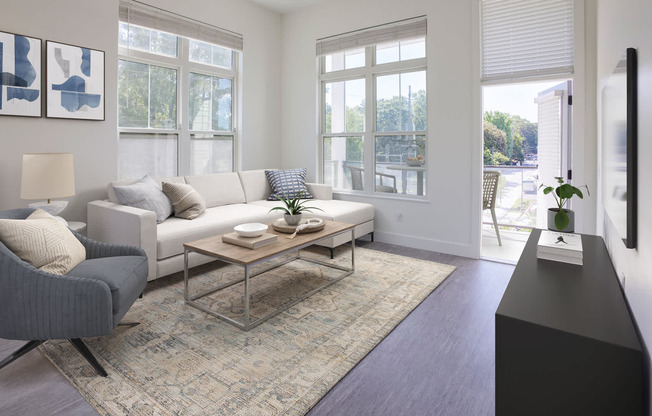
43,241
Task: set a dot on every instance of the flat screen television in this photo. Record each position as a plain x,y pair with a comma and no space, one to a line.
619,136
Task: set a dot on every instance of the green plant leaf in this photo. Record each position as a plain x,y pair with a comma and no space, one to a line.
566,191
578,193
278,209
561,220
547,190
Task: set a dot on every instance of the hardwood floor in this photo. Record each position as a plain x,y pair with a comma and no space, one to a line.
438,361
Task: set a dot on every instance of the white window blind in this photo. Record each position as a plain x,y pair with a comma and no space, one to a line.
401,30
526,38
158,19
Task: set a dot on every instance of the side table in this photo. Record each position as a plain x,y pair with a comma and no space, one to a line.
77,226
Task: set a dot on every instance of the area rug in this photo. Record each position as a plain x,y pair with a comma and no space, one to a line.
182,361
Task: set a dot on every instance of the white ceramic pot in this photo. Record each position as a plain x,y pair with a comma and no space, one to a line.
551,220
292,219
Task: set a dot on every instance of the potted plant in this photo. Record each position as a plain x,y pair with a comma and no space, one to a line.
560,218
293,208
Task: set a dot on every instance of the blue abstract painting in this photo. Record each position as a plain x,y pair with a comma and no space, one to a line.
75,82
20,75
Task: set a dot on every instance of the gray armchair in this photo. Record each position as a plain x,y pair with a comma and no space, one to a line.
89,301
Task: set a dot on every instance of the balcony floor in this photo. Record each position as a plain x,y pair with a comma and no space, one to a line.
513,244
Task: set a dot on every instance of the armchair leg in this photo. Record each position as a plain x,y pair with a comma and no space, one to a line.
493,215
83,350
20,352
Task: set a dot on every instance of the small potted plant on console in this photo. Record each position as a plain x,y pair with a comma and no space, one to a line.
560,218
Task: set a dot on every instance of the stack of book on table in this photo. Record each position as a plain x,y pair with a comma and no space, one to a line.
556,246
249,242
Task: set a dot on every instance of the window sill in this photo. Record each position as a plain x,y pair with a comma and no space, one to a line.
383,195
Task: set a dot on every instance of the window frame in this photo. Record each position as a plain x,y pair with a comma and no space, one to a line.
370,71
184,66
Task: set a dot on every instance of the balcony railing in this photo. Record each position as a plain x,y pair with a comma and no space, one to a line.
516,202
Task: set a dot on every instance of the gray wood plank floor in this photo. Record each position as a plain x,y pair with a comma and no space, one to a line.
438,361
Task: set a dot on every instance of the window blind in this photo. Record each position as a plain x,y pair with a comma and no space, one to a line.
159,19
401,30
526,38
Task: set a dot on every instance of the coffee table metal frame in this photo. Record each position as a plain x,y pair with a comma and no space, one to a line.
247,323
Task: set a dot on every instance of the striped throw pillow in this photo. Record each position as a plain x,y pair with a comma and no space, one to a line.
288,183
43,241
186,201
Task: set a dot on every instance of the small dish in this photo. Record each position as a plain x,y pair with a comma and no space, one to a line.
252,229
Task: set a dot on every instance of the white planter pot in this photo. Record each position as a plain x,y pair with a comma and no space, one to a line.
292,219
551,220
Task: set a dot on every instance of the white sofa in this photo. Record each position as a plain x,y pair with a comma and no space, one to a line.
231,199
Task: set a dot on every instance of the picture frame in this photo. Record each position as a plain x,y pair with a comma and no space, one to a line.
20,75
75,82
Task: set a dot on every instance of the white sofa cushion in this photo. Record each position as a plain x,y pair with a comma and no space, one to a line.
218,189
255,184
174,232
333,210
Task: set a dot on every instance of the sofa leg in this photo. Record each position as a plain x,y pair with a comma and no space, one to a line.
83,350
20,352
372,236
332,252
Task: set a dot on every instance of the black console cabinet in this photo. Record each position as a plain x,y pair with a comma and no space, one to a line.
565,341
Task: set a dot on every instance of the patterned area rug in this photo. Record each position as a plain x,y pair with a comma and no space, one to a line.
180,360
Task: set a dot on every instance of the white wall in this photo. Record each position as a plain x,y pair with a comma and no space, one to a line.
622,24
94,24
449,221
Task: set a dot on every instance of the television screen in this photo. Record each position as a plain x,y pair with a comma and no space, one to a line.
619,148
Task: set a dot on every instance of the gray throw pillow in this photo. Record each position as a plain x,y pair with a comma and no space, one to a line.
145,194
186,201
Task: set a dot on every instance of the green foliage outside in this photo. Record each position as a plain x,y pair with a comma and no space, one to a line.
508,138
392,115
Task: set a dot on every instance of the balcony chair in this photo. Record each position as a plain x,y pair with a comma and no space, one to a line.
357,185
489,191
89,301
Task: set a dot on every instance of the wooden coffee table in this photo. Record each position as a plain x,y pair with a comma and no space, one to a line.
247,258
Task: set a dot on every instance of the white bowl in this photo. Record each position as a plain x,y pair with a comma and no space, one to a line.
252,229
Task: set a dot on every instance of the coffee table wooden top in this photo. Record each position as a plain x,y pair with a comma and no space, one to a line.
215,247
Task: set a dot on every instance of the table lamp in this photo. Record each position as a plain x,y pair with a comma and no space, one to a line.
48,176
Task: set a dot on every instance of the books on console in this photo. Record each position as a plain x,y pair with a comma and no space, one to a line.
563,247
249,242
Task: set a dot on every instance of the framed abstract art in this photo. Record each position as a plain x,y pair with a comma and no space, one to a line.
74,82
20,75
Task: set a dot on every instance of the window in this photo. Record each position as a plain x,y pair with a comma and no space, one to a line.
176,95
385,67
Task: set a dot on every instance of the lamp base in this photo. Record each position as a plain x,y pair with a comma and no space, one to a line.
53,208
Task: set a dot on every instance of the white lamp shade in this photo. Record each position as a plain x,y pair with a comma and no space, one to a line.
47,176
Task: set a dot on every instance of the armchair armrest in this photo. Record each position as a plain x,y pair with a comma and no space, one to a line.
122,225
320,190
97,249
36,305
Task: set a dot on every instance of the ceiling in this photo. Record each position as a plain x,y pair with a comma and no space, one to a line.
285,6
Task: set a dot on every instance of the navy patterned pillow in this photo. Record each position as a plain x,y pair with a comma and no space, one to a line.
288,183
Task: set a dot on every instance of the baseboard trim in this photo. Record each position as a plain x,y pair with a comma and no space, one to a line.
446,247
